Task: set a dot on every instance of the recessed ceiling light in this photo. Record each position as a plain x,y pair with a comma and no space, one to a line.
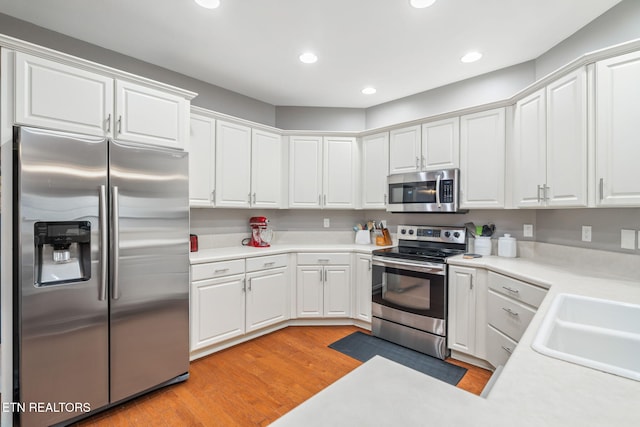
369,90
308,58
208,4
471,57
421,4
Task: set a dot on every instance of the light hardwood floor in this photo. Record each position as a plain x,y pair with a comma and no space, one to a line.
252,384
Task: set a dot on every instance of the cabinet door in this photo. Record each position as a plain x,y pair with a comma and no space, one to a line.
462,309
567,141
375,168
339,177
150,116
266,169
267,298
217,310
529,152
482,154
233,165
309,285
201,160
337,291
404,150
305,171
363,288
617,130
441,144
61,97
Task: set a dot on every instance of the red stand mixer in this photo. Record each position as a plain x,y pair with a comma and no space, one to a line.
261,234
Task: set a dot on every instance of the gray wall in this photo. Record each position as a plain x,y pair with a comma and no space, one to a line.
490,87
619,24
209,96
320,118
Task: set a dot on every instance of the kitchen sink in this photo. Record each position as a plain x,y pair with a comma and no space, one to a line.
597,333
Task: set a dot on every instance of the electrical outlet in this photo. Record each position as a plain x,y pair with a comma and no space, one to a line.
527,230
628,239
586,233
327,223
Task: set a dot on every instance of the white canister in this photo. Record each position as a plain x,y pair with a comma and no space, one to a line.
482,245
507,246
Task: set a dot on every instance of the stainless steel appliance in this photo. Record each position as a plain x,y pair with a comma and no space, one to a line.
431,191
101,272
409,300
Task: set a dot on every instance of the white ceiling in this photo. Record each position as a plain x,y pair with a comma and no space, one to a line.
252,46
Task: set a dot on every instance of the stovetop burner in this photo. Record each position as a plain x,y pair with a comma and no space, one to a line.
426,243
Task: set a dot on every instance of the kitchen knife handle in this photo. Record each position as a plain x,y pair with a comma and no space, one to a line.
104,241
115,242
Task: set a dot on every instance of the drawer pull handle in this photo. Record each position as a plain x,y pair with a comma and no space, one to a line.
323,260
515,291
221,270
267,264
507,349
511,312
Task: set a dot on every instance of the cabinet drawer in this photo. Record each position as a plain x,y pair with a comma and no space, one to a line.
327,258
499,347
216,269
508,316
264,262
519,291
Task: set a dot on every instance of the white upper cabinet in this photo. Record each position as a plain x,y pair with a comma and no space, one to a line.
339,177
233,165
305,171
482,157
441,144
404,150
566,184
529,150
375,168
149,116
266,169
64,97
618,130
322,172
58,96
201,160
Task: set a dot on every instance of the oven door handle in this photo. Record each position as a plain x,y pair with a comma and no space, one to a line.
410,266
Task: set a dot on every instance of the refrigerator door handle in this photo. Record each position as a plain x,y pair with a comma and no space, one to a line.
104,239
115,241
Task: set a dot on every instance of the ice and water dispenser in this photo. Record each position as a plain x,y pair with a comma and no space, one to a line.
62,252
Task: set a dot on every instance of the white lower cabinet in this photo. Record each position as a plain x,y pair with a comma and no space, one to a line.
323,288
267,298
217,310
227,303
363,287
462,312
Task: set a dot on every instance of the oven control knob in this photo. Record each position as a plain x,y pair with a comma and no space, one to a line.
403,231
411,232
447,234
456,234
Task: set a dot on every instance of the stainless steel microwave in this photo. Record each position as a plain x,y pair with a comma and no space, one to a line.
430,191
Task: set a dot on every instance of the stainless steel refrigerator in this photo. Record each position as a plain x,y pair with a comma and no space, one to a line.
101,276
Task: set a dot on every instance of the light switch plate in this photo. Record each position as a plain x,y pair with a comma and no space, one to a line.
628,239
527,230
326,223
586,233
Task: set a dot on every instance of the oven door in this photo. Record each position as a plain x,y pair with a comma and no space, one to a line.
413,287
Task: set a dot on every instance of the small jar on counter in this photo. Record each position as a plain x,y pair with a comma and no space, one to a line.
507,246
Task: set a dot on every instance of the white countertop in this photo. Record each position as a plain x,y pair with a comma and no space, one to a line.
533,389
234,252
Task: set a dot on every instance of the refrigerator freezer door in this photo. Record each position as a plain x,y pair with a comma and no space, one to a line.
150,284
62,328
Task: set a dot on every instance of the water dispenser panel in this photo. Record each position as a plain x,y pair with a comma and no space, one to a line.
63,252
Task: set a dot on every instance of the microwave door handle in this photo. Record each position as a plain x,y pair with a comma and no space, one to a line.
438,191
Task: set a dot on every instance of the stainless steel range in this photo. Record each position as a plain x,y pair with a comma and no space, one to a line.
409,301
